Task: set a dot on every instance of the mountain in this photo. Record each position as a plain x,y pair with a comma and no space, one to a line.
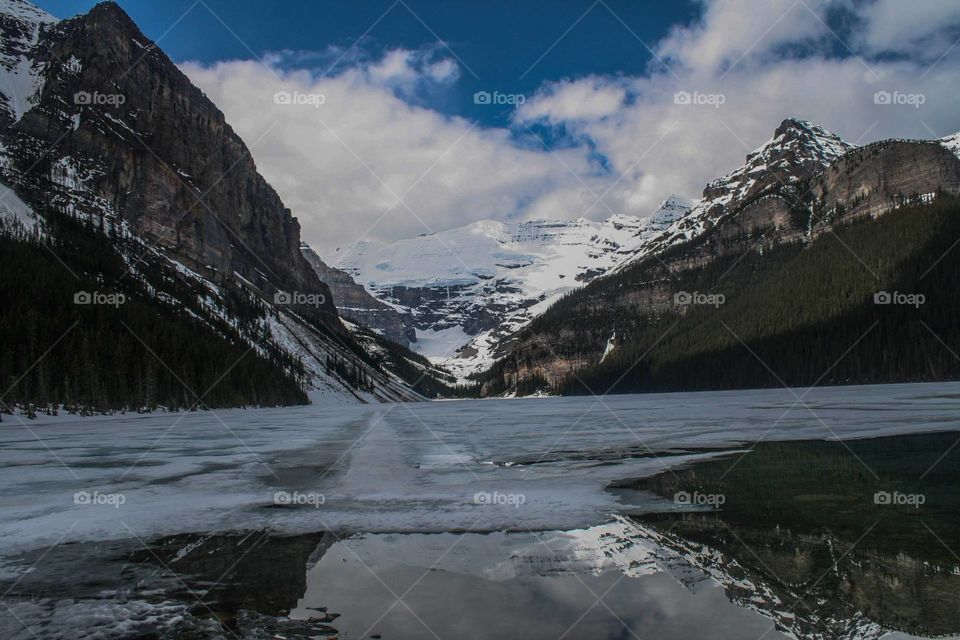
770,280
468,290
778,170
102,137
356,303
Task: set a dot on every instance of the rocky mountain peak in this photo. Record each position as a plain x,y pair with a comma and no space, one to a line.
800,143
797,151
672,207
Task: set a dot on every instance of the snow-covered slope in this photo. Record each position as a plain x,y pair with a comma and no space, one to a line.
20,76
15,215
952,142
472,287
798,149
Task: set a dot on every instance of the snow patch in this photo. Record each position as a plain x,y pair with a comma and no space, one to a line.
15,211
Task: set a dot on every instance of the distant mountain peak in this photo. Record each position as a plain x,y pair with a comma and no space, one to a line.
673,202
27,10
470,288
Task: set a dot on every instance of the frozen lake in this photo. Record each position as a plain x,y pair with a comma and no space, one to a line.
435,472
410,467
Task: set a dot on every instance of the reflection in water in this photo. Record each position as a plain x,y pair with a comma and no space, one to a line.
608,581
809,539
840,533
597,583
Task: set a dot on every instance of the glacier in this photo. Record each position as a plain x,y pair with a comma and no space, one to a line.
470,288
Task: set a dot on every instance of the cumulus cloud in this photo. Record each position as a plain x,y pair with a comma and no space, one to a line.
731,30
923,28
373,161
589,99
744,66
355,160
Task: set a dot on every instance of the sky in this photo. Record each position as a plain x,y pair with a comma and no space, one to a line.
380,120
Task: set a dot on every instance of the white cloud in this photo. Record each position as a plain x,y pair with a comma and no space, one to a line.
909,27
755,62
768,61
589,99
444,71
341,165
733,30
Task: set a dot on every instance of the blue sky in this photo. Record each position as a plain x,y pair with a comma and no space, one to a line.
584,120
497,42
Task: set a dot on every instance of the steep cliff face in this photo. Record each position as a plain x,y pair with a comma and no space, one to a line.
121,131
97,125
795,189
871,180
356,303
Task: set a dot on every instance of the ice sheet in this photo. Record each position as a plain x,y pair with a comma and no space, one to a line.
480,465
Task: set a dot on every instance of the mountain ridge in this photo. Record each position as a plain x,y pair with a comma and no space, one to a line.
813,191
470,288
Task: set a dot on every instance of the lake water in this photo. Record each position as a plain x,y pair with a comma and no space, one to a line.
627,516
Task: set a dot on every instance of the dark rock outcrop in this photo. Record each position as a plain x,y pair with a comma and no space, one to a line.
355,303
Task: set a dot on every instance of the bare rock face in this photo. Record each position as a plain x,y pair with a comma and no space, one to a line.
355,303
118,130
871,180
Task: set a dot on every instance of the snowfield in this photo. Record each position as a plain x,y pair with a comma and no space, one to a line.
508,271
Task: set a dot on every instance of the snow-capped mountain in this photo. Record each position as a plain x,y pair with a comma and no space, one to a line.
801,185
797,151
470,288
98,127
